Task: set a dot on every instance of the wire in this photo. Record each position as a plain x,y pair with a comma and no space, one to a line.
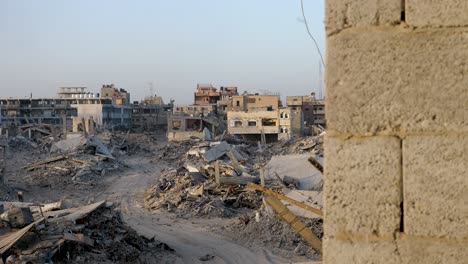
310,34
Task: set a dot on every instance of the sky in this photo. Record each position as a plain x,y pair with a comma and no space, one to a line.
257,45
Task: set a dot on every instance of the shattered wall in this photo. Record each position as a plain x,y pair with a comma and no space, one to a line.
253,122
397,140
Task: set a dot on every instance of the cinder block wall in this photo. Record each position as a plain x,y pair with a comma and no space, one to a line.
396,177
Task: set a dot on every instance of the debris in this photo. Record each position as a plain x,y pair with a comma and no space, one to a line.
238,180
207,135
207,257
220,150
100,229
285,198
299,170
295,223
100,148
316,164
18,217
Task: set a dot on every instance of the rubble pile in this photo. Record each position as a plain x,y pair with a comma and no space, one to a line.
212,179
304,145
132,144
76,160
174,151
196,196
89,234
273,233
191,189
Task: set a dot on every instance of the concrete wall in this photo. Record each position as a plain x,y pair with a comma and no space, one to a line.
245,117
396,176
183,135
247,102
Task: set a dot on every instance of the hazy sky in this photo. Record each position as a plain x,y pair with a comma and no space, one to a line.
175,44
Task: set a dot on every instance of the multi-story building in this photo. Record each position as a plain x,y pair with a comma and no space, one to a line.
312,109
119,96
72,102
245,102
250,116
150,114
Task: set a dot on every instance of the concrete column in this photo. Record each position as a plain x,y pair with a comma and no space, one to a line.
90,122
85,127
397,142
64,127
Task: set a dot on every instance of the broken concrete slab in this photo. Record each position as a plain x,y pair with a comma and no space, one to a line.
220,150
296,166
100,147
309,198
72,142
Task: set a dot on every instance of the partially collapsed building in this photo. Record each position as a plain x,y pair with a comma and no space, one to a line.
253,116
72,104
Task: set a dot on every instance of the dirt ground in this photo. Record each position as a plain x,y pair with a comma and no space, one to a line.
194,240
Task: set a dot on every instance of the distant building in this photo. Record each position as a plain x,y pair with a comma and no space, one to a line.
313,111
182,127
119,96
150,114
74,103
250,116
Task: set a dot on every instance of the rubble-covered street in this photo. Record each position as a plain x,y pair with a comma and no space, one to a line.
119,197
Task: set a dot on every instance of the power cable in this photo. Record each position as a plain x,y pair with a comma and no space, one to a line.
310,34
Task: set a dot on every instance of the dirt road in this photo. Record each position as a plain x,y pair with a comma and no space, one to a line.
191,239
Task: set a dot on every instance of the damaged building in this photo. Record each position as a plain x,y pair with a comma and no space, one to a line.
73,103
150,114
183,127
209,100
250,116
183,123
311,109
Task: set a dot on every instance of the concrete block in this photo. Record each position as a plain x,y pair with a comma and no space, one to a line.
341,14
417,250
362,186
391,81
431,13
435,186
374,252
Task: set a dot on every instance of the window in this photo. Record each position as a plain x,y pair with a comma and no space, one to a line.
306,109
252,123
176,125
252,100
236,123
282,115
237,103
269,122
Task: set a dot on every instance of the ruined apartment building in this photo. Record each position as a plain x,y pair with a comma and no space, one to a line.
312,109
182,127
71,102
151,114
253,115
118,95
396,177
207,99
206,94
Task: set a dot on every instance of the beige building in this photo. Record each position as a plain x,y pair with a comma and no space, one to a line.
182,127
254,115
194,110
313,111
119,96
248,102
